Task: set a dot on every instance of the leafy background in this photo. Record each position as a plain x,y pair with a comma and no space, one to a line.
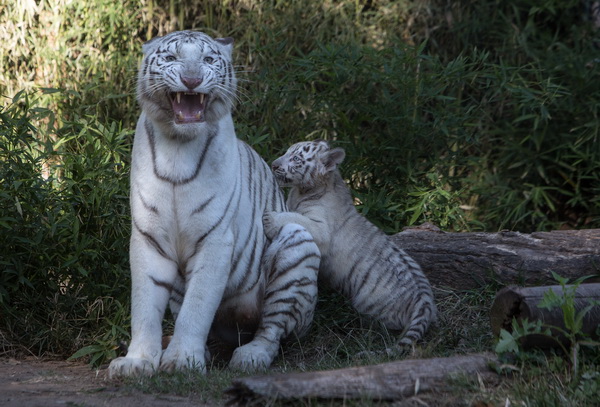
473,115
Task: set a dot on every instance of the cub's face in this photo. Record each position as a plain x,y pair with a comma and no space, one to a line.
186,79
305,164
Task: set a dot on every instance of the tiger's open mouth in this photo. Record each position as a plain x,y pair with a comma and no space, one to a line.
188,107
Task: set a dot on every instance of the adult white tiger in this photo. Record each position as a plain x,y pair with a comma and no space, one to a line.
197,242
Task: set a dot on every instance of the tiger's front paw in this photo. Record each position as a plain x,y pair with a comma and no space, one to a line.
178,359
251,357
127,367
269,225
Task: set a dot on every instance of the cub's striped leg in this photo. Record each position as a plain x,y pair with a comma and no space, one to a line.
152,278
422,308
291,263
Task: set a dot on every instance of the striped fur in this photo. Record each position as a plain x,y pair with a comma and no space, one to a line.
358,259
197,199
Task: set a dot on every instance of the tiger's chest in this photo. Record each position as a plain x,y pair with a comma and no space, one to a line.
179,190
179,213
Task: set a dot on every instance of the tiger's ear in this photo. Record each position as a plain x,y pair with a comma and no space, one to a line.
333,158
226,44
150,46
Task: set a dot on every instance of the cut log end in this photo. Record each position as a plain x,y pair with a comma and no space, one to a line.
522,303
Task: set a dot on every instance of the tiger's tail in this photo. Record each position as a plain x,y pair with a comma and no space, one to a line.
424,313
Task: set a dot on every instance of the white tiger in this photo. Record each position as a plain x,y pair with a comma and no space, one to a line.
197,199
357,258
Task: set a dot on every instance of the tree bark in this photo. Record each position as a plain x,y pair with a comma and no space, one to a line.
388,381
522,303
464,261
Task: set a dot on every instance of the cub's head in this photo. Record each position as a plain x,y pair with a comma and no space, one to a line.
186,79
307,164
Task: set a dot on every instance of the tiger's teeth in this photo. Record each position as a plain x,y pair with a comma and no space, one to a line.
180,115
201,99
178,97
198,115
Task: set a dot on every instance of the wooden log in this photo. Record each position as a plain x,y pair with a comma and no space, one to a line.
388,381
522,303
464,261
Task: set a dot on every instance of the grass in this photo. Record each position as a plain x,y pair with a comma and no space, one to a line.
535,379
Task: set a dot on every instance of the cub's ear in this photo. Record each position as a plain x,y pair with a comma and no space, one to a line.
226,44
333,158
224,41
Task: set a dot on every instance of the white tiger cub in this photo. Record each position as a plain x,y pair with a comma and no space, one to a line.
357,258
197,199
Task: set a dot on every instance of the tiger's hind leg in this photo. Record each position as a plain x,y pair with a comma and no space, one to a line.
291,264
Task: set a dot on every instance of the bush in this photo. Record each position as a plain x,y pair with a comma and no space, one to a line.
64,228
536,169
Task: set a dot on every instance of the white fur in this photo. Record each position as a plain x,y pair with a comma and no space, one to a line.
184,242
358,259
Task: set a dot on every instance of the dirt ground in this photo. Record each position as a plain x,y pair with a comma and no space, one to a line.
44,383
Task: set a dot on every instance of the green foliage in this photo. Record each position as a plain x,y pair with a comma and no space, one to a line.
471,127
64,225
76,46
545,381
106,346
510,341
566,302
568,378
573,322
363,100
540,129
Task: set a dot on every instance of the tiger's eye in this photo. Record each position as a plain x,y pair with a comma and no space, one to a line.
170,58
209,60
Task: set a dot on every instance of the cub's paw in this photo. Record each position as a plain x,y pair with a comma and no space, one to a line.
251,357
174,359
269,225
127,367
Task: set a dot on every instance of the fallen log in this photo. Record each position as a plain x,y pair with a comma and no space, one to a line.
522,303
464,261
387,381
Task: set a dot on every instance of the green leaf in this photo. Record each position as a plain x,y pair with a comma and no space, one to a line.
506,343
580,315
85,351
550,300
561,280
568,309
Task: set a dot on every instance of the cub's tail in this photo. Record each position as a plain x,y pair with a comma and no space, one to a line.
424,313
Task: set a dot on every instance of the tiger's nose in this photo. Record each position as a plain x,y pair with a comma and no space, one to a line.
191,83
276,164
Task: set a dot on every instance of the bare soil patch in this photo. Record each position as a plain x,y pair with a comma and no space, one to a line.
45,383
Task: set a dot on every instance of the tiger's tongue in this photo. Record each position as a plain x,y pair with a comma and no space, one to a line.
188,107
